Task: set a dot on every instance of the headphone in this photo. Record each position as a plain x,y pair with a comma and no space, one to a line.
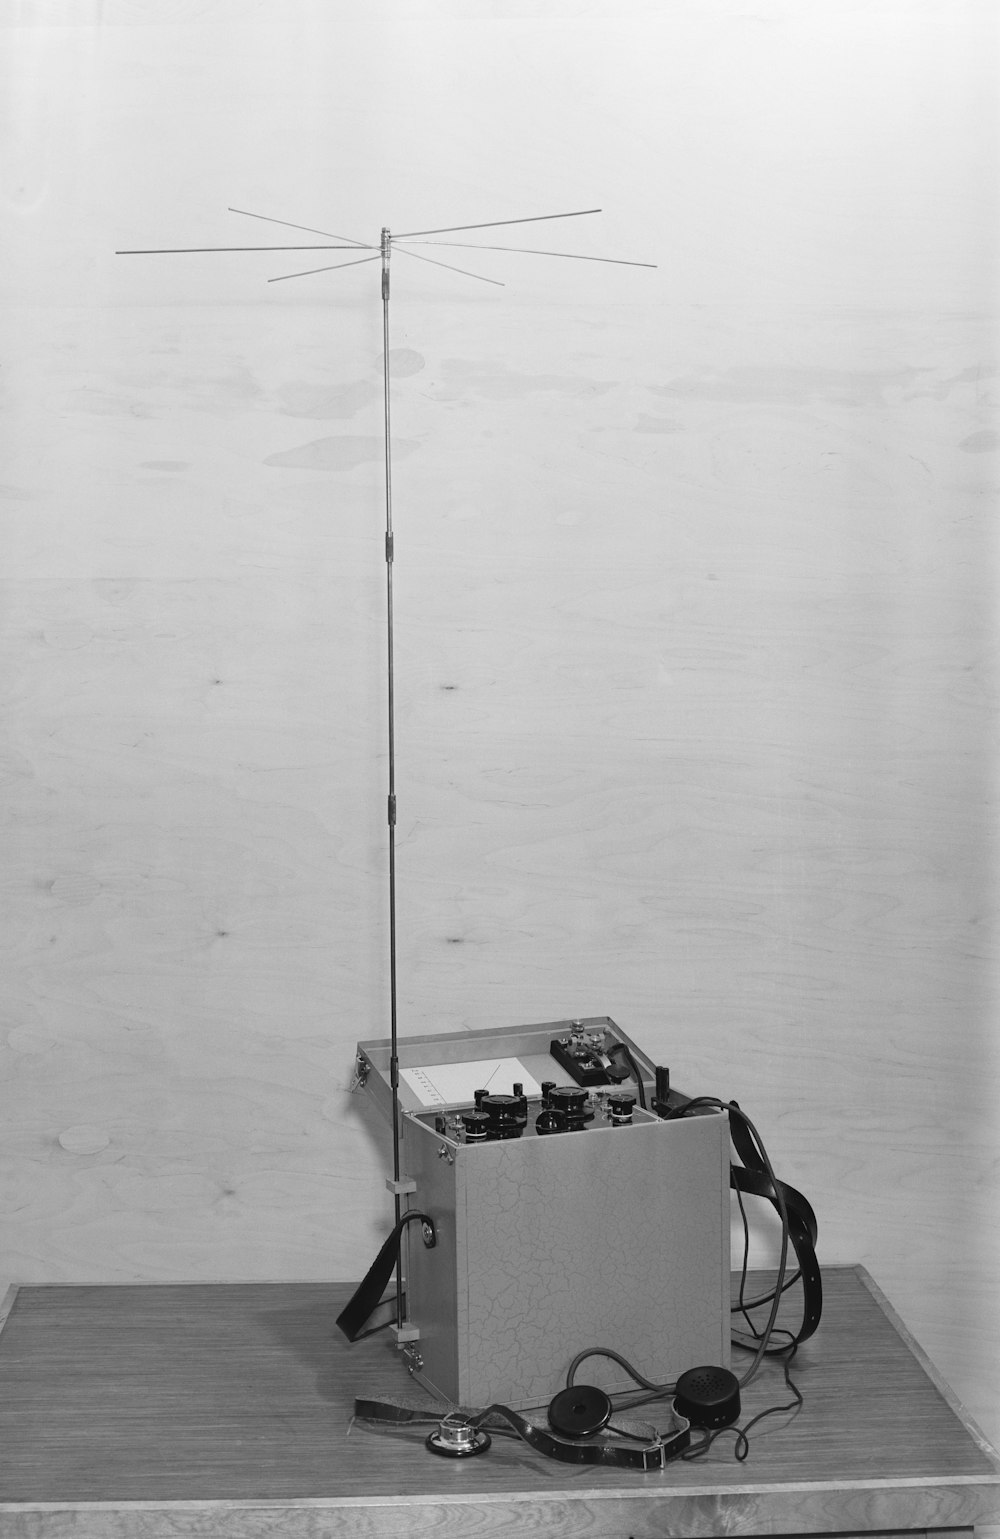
578,1413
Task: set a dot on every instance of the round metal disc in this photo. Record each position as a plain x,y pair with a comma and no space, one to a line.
458,1442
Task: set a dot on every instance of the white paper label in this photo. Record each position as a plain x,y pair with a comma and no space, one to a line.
445,1084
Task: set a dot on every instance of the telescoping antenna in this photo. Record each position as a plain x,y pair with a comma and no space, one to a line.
382,251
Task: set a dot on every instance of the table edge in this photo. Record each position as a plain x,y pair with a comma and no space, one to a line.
7,1304
940,1383
491,1498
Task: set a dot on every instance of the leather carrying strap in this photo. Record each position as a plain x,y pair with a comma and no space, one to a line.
752,1177
649,1457
367,1297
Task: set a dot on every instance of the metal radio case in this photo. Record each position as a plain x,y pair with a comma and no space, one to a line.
613,1236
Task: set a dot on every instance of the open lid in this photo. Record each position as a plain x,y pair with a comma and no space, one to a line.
445,1070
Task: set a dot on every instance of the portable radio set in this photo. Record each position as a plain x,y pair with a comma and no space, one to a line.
559,1200
517,1243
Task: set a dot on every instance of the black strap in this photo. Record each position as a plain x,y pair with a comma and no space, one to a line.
652,1456
752,1177
368,1295
394,1411
649,1457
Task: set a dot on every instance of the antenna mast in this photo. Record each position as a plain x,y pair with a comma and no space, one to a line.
386,249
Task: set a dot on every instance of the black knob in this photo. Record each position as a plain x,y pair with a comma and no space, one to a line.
507,1115
620,1108
476,1124
571,1102
568,1098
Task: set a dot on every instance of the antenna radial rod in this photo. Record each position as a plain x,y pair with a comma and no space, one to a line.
308,227
492,224
576,256
194,250
386,250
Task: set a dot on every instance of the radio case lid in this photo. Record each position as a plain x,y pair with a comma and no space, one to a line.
445,1069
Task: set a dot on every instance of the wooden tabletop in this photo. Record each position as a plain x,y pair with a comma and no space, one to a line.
151,1410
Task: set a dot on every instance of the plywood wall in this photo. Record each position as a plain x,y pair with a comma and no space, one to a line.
695,602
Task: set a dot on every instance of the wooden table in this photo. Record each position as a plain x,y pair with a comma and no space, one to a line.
224,1411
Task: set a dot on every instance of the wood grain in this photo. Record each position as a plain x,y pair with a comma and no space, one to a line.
212,1407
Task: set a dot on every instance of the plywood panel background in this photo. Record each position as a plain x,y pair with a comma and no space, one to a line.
696,604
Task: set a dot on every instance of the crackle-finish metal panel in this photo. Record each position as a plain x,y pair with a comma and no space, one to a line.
613,1236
